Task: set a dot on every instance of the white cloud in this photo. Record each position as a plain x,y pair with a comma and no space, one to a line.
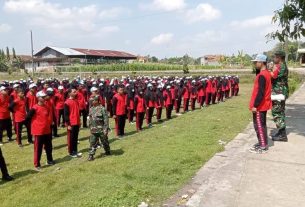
203,12
164,5
260,21
5,28
62,20
112,13
162,39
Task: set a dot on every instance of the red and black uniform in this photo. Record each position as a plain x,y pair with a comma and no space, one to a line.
13,96
214,91
150,98
159,103
193,96
186,98
109,95
53,124
201,93
208,91
119,110
261,100
72,119
178,97
40,129
81,98
168,102
236,87
130,105
31,100
5,117
140,111
18,107
59,100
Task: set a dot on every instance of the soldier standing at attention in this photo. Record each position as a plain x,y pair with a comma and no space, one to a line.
280,92
99,125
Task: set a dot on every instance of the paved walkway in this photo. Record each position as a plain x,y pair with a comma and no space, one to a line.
237,178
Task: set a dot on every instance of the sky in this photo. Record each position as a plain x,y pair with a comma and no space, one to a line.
162,28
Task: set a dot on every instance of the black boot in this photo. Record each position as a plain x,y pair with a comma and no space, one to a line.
282,137
276,134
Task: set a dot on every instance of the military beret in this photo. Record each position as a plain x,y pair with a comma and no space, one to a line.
280,53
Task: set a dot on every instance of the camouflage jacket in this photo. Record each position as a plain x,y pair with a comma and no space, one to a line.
98,119
280,83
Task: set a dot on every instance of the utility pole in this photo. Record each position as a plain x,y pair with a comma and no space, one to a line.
32,51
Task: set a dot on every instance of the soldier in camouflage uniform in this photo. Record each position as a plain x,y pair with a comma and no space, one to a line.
280,86
99,125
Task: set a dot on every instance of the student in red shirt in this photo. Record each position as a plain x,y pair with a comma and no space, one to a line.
5,117
260,103
119,111
40,129
59,100
150,99
140,109
19,112
31,98
72,119
168,102
51,105
82,101
159,103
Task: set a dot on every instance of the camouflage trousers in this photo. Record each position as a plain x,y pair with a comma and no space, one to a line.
278,113
97,138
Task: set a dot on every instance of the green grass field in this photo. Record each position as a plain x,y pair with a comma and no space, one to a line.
148,166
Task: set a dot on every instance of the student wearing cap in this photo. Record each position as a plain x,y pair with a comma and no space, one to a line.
38,116
59,101
178,98
201,93
193,95
52,115
159,103
5,117
208,91
4,171
18,107
31,98
119,111
130,89
72,119
13,96
150,98
140,109
99,126
260,103
186,97
81,94
280,92
168,102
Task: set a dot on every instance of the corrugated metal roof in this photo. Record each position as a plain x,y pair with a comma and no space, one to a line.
66,51
105,53
90,52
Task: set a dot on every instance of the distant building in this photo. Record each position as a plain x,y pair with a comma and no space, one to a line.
302,57
49,57
142,59
214,60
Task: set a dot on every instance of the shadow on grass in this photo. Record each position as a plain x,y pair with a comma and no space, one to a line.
18,175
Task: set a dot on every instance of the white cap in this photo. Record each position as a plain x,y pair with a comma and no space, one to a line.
50,90
149,85
168,87
32,85
93,89
101,84
41,94
2,88
60,87
15,85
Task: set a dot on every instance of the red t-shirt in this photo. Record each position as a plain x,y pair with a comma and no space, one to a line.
40,124
4,103
31,100
74,116
19,110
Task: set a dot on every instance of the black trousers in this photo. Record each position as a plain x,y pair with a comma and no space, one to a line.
130,115
3,165
178,104
40,142
120,124
60,116
73,139
169,110
5,124
260,126
149,114
19,126
139,120
84,114
159,113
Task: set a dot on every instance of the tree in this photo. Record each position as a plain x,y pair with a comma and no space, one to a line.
14,54
154,59
290,19
8,54
185,64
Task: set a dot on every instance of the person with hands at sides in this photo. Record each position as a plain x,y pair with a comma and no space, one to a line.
260,103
